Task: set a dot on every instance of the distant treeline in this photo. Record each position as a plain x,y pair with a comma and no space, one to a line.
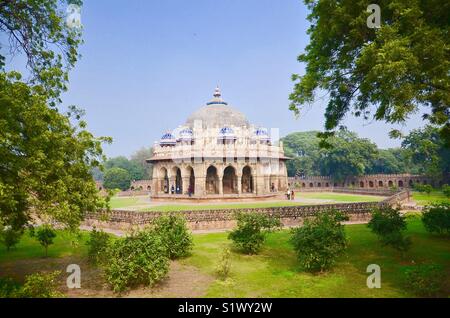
422,152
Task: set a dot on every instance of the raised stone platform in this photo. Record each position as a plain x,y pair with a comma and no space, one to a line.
217,198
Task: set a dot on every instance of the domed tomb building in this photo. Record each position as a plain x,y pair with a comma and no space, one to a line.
218,154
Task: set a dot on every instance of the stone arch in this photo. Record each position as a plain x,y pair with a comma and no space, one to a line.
191,184
311,185
212,181
380,183
327,185
410,182
303,185
370,184
400,183
361,184
390,183
164,179
247,180
178,185
229,181
319,184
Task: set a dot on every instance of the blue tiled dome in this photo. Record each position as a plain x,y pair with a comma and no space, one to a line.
226,133
186,134
262,134
167,139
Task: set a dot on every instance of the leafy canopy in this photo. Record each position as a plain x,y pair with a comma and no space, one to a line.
320,241
386,73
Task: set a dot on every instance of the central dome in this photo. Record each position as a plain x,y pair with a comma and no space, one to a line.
217,113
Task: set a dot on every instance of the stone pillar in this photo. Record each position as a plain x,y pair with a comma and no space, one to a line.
185,184
239,184
172,183
221,185
156,186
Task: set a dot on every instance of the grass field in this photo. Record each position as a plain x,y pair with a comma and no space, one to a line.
338,197
302,198
272,273
422,198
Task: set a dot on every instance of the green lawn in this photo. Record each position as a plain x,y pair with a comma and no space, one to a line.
275,272
65,244
338,197
181,207
123,202
422,198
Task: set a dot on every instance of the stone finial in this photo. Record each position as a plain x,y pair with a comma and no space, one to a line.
217,93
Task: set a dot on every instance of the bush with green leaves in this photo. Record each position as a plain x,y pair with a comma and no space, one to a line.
98,243
9,236
446,190
174,234
388,224
8,288
44,234
436,218
424,280
423,188
320,241
224,266
138,259
41,285
251,230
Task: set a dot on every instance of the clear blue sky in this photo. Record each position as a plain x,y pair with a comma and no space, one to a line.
146,65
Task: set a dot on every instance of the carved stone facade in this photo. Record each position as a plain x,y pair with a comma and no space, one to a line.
218,154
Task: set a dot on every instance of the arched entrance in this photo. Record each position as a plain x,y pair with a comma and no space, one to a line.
164,180
229,180
247,180
178,182
191,189
212,181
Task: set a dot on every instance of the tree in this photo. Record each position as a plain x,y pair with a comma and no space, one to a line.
117,178
45,235
139,259
426,148
45,162
45,155
388,224
303,148
436,218
385,73
9,237
38,29
251,230
135,170
320,241
347,156
140,157
174,234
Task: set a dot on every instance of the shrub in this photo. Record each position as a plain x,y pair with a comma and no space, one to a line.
97,246
446,190
423,188
41,285
174,234
224,267
251,231
8,288
320,241
139,259
388,224
424,280
9,237
45,235
436,218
